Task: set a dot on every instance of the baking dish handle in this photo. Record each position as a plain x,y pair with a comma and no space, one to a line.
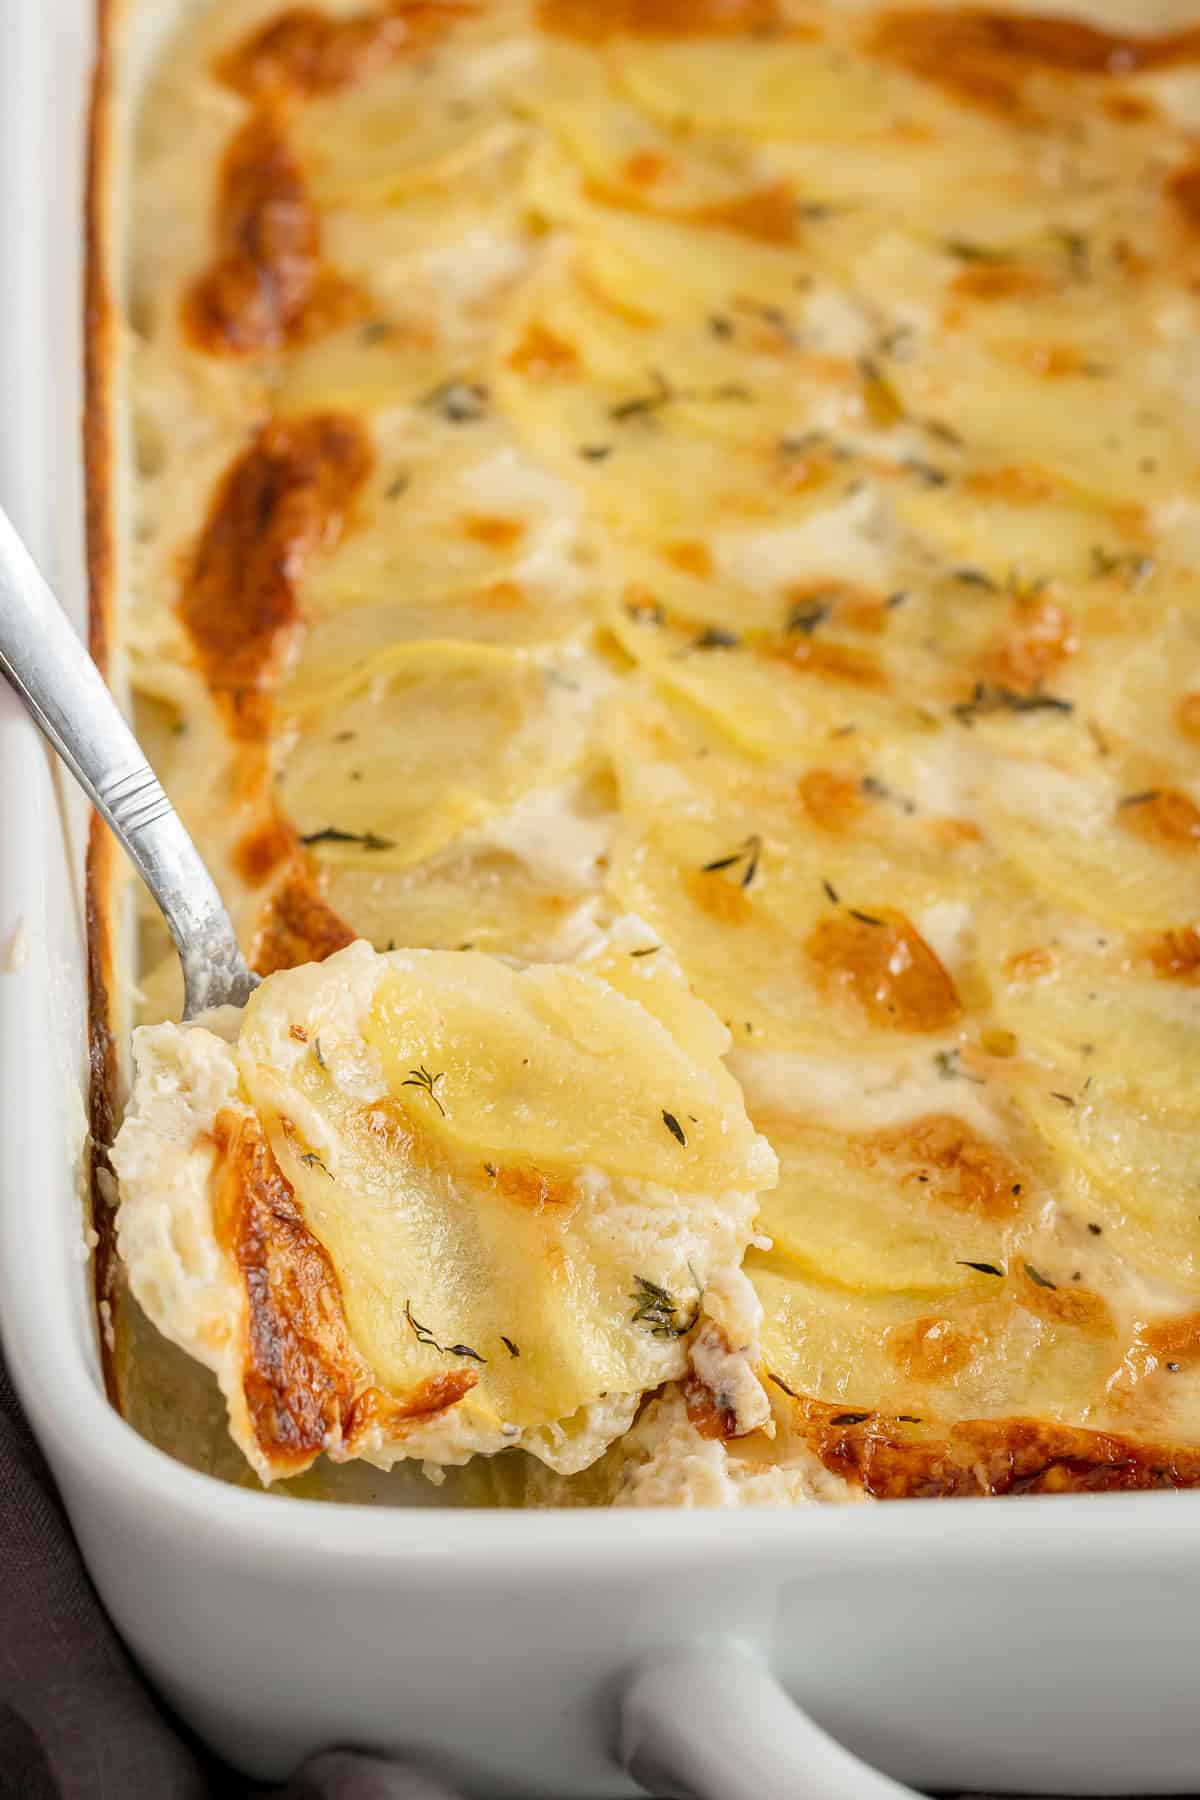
716,1725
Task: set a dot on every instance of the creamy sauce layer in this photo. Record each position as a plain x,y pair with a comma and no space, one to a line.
730,465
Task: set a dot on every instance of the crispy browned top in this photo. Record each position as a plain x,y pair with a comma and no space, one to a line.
768,215
301,1370
712,1414
896,1460
299,926
882,962
305,51
306,1387
267,286
1175,954
1163,816
595,20
986,57
952,1163
283,499
1041,638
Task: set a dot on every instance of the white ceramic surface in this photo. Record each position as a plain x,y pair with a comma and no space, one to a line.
1041,1645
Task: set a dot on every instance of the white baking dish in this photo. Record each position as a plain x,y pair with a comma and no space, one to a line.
1037,1645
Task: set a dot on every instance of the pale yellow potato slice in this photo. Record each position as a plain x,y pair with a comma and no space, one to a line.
517,1183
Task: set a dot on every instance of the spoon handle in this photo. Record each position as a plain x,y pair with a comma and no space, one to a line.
63,690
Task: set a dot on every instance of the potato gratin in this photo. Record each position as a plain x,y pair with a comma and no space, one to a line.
666,547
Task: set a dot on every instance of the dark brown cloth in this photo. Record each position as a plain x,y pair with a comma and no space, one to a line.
77,1722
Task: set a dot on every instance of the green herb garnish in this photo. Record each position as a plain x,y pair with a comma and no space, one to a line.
972,577
674,1127
987,697
749,853
421,1078
660,395
807,618
423,1335
949,1068
1131,565
459,402
331,834
969,252
658,1308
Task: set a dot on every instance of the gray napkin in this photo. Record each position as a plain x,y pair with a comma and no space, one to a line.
76,1720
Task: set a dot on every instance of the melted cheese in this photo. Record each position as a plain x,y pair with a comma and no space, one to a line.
480,1220
729,464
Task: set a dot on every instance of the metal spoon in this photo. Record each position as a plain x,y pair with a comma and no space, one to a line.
63,690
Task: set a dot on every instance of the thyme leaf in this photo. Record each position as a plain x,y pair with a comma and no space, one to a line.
969,252
949,1068
715,637
509,1345
331,834
319,1054
749,853
674,1127
1130,565
661,394
850,1418
657,1308
990,697
1078,251
927,472
864,918
423,1335
1038,1278
879,790
459,402
807,618
969,576
1142,799
421,1078
311,1160
983,1268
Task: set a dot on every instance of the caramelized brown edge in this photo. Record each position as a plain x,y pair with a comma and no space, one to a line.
99,339
1032,1455
892,1458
